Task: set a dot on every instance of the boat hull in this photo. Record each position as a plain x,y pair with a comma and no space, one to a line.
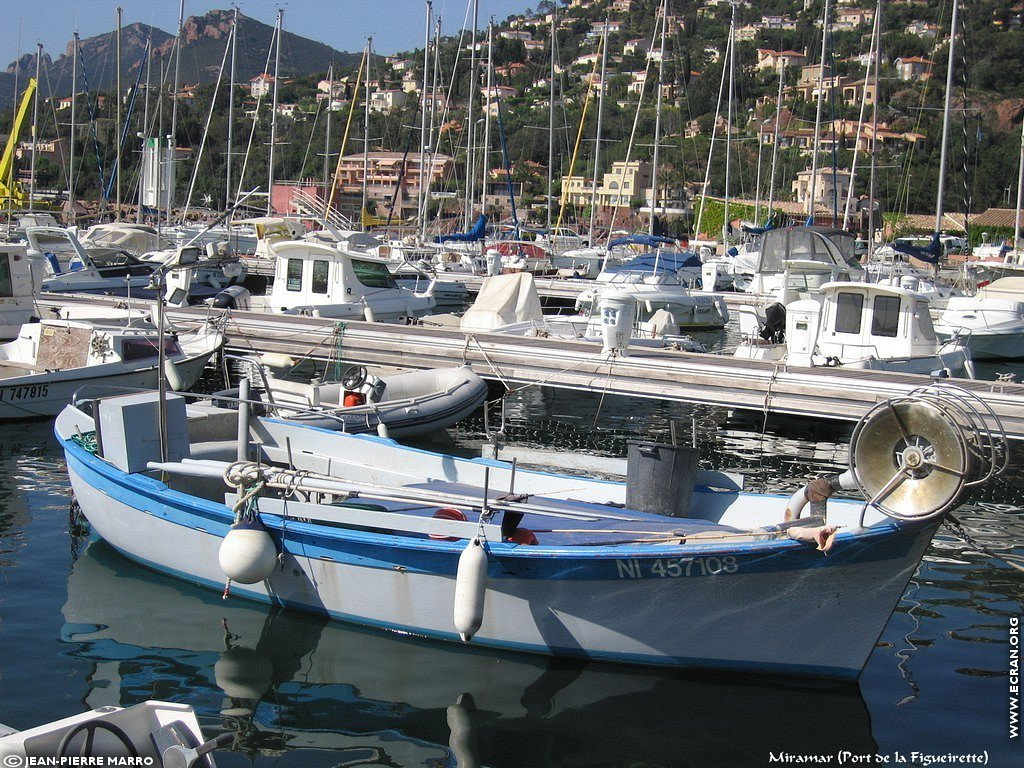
44,395
782,607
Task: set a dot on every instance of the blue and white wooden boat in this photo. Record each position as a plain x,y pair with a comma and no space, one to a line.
360,528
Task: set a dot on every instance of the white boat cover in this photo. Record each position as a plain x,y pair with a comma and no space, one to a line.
503,300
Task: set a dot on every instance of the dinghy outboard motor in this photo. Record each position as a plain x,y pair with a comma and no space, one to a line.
232,297
774,329
916,456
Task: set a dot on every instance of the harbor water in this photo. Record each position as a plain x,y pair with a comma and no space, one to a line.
82,627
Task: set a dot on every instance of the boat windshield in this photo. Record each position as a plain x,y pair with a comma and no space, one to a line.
6,284
143,347
831,248
373,274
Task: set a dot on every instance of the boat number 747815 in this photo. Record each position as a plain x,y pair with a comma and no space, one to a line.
24,392
674,567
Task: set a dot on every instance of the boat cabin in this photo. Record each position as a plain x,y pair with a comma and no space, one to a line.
18,285
315,279
856,321
796,261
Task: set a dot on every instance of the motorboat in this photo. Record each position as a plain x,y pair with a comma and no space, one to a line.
857,325
990,323
66,266
658,570
399,405
162,733
653,292
19,284
795,261
509,304
321,281
49,360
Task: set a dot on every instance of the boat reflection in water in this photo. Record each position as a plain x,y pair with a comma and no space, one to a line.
287,681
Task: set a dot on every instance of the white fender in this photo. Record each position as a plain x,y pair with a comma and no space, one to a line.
173,377
247,554
470,588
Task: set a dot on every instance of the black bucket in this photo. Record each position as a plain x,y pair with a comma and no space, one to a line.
660,478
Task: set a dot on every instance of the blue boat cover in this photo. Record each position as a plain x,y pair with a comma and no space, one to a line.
930,253
657,263
651,241
477,232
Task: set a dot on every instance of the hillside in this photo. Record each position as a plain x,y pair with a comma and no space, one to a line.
201,53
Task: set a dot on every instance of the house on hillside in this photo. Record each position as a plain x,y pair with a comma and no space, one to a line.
914,68
779,60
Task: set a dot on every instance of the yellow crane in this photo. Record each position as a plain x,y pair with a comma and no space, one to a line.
10,190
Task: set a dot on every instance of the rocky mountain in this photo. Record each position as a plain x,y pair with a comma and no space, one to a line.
204,38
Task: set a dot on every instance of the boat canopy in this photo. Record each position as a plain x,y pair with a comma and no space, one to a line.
831,247
651,241
657,263
478,232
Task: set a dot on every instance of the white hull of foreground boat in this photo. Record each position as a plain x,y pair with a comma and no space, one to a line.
717,603
42,394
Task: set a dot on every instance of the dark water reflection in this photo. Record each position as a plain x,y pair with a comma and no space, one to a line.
82,629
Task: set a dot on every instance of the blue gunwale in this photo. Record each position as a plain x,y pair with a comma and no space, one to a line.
429,556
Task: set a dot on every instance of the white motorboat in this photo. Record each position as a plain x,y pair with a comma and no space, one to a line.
859,325
689,309
363,529
161,733
509,304
397,405
795,261
19,284
321,281
990,323
43,367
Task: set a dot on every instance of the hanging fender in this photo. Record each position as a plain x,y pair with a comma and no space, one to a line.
470,589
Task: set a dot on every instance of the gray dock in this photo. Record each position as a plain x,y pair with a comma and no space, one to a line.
834,393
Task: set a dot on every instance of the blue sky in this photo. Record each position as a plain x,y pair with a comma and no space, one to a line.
343,24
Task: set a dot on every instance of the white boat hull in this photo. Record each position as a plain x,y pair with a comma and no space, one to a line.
799,614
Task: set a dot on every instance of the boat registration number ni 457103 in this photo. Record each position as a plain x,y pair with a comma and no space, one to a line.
24,392
676,567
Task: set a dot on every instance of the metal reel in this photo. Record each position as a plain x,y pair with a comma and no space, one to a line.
914,457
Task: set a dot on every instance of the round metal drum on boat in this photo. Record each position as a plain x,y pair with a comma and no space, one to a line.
910,457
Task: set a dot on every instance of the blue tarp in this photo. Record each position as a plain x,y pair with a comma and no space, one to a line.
930,253
478,232
667,263
651,241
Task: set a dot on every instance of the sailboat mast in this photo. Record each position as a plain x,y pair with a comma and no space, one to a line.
485,158
728,122
945,121
327,126
551,120
366,132
145,122
817,117
231,113
874,130
471,133
273,114
421,189
172,144
71,149
597,144
35,131
1020,193
117,160
657,117
775,141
